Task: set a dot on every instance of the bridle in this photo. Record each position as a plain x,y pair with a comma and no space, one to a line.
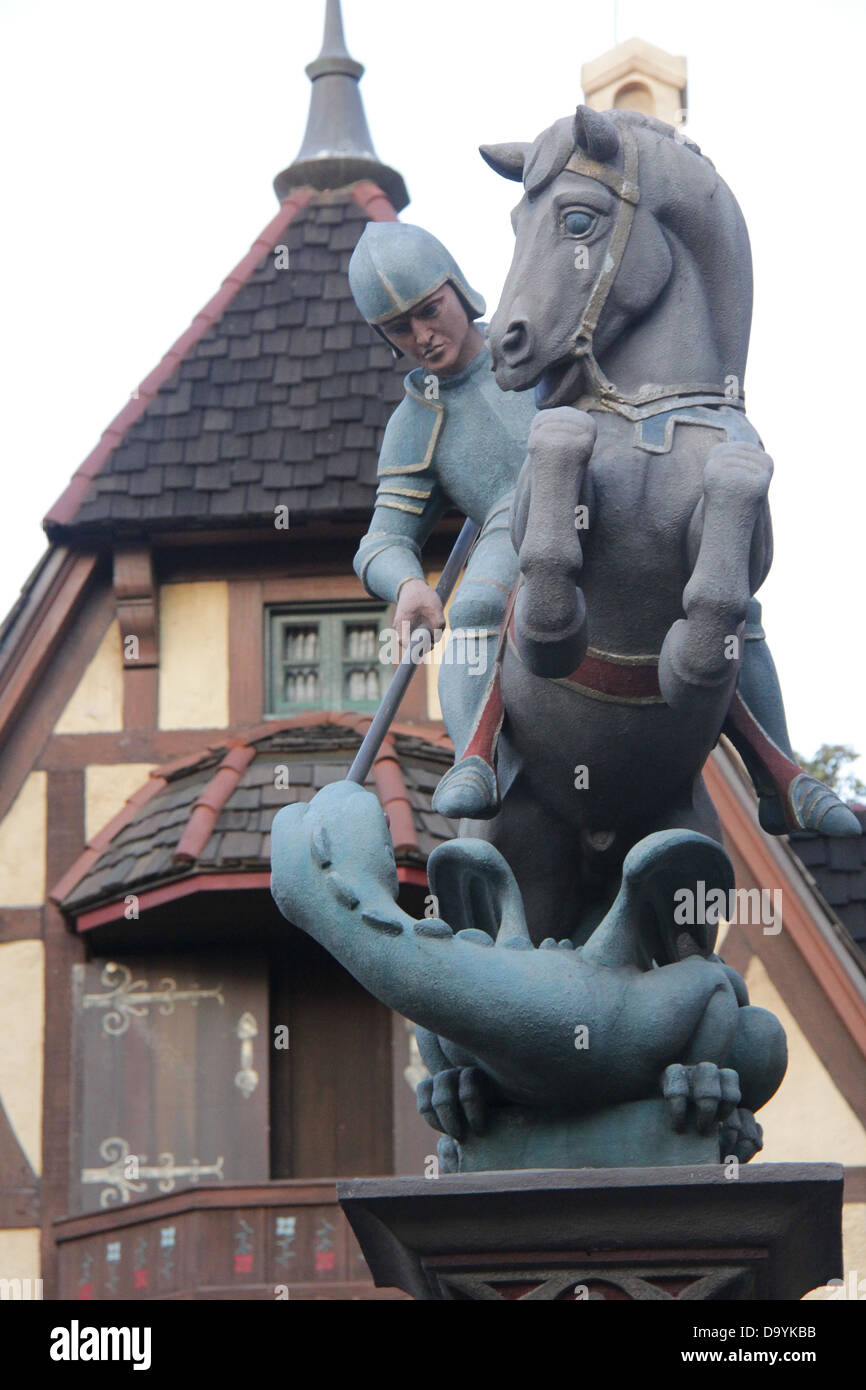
651,399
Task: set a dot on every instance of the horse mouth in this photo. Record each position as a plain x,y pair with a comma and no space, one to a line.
560,384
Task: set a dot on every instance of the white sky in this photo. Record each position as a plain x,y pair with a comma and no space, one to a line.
141,142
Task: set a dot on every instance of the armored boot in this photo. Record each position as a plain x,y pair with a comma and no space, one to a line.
469,688
469,788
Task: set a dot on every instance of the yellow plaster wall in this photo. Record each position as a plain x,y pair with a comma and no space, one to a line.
22,846
808,1120
194,656
97,705
854,1242
22,1028
19,1254
107,788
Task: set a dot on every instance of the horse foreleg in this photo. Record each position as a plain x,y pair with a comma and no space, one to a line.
550,613
701,652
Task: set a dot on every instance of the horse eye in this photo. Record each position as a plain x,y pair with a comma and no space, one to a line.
578,223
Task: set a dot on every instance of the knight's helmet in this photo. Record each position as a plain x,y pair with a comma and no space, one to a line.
395,266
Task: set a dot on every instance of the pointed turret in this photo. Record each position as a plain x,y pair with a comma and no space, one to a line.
337,148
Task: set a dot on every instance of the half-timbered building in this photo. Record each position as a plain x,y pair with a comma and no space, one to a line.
183,1076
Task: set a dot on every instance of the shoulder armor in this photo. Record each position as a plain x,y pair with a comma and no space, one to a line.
410,436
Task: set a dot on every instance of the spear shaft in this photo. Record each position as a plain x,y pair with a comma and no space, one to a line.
416,648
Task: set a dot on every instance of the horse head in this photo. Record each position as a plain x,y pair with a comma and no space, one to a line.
631,268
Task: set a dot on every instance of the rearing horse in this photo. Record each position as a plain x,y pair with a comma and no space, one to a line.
640,519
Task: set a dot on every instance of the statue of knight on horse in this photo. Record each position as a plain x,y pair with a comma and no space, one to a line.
624,531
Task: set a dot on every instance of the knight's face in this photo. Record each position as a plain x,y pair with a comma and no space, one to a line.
437,334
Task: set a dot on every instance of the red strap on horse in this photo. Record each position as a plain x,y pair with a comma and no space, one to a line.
633,680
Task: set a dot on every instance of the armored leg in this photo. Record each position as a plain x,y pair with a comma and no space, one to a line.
789,799
469,788
758,682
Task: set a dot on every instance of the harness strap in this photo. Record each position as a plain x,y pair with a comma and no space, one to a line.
623,680
626,187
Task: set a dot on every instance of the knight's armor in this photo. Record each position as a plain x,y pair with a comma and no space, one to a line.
453,441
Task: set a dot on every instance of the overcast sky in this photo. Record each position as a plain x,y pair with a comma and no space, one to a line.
140,145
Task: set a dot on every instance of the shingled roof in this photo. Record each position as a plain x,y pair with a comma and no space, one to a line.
839,869
279,392
211,814
282,400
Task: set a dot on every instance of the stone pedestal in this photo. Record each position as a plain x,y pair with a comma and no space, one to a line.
774,1232
637,1134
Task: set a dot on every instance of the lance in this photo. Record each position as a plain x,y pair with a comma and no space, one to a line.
416,648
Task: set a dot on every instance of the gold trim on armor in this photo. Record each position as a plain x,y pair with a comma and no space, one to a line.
400,506
501,507
402,306
439,412
370,558
483,579
406,491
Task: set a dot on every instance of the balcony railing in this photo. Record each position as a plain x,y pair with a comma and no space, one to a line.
278,1240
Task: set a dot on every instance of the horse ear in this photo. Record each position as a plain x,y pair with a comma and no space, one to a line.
595,133
507,160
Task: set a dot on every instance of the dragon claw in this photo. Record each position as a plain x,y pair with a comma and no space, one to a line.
741,1136
455,1100
713,1091
449,1154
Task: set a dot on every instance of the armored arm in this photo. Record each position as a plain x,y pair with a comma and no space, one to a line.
409,502
390,553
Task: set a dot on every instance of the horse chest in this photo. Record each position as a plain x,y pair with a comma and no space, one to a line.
638,511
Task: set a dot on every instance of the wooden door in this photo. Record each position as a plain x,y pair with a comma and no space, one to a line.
331,1088
171,1075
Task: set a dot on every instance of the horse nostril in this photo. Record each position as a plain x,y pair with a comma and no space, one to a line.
516,341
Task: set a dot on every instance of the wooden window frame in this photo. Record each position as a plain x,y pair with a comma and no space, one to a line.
332,619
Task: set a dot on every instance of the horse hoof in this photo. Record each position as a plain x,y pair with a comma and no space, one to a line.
813,806
468,789
550,652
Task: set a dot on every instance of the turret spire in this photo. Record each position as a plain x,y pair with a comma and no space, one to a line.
337,148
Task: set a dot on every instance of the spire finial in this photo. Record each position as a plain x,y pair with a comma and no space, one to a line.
337,148
334,57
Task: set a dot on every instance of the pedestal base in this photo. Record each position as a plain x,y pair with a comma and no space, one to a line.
637,1134
774,1232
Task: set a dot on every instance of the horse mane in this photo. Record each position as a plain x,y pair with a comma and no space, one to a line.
694,202
623,116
